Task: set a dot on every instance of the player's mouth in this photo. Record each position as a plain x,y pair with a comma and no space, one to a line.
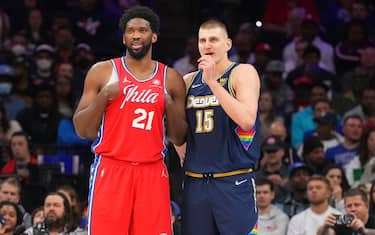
209,53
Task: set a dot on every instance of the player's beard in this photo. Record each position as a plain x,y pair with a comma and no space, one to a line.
139,54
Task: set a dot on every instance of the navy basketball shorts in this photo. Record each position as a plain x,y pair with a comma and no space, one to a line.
213,206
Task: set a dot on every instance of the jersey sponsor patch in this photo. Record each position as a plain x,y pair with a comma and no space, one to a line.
246,137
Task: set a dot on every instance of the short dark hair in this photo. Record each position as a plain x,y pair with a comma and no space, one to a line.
356,192
264,181
140,12
321,179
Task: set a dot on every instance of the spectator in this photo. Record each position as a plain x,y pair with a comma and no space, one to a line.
347,51
344,152
309,31
12,217
74,202
274,83
263,55
295,200
44,59
360,169
267,112
313,154
10,190
302,120
23,163
367,102
307,222
42,119
272,221
11,103
7,128
326,128
188,63
244,44
57,213
37,216
356,205
339,184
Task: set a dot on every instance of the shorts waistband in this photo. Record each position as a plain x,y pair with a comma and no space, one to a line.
110,160
218,175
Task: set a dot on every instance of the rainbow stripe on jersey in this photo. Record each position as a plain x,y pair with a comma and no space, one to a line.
246,137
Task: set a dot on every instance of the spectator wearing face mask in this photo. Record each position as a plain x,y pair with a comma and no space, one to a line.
11,103
44,57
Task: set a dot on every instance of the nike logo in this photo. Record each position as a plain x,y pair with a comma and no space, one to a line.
196,85
240,182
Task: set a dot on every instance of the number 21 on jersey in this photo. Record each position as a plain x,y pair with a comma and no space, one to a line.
143,120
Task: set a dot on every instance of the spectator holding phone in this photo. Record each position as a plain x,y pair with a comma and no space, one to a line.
357,220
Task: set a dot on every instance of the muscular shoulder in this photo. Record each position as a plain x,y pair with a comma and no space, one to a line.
100,72
188,78
174,81
245,70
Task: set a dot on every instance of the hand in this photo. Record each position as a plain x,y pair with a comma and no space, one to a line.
207,64
111,90
330,221
337,192
357,225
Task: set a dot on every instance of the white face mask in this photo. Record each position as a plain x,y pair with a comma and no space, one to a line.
5,88
44,64
18,50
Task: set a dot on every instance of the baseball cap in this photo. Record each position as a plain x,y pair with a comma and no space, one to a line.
272,143
298,165
310,143
83,46
44,48
275,66
263,46
6,70
326,118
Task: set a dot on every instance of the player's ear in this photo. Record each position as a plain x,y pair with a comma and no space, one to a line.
154,38
228,44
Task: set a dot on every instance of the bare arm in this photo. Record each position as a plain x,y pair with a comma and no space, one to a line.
242,109
96,92
175,107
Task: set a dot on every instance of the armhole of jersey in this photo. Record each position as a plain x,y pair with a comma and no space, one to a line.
191,81
114,75
232,92
165,79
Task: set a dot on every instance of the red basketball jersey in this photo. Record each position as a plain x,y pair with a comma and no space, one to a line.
132,127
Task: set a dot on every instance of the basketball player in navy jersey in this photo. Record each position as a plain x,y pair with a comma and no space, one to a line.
222,143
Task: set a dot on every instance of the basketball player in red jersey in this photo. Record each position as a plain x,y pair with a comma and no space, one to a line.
128,104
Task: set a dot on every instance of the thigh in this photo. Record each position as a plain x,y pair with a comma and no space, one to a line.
110,198
234,206
197,215
152,208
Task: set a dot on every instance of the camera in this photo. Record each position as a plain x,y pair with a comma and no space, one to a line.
344,219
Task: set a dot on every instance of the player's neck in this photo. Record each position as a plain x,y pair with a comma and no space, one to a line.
222,66
142,68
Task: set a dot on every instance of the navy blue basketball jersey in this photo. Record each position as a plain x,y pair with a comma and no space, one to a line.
215,143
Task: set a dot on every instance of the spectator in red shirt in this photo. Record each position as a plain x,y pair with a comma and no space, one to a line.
23,163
